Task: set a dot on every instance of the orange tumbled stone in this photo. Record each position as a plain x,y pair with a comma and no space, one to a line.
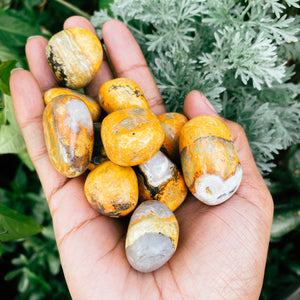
111,189
92,105
121,93
75,56
131,136
209,160
69,135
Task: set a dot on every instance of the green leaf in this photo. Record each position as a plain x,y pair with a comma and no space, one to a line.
20,261
295,267
12,274
11,141
37,278
284,221
2,229
54,264
20,178
5,68
14,31
2,118
104,4
11,138
15,225
48,232
9,112
13,53
23,283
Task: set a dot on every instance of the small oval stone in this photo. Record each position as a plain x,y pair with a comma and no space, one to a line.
159,179
121,93
111,189
172,123
75,56
209,160
69,135
131,136
92,105
152,236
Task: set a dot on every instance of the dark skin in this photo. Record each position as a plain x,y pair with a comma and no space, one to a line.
222,250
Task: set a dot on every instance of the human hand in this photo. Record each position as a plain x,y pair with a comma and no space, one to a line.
222,249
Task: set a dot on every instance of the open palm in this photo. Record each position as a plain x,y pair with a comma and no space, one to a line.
222,250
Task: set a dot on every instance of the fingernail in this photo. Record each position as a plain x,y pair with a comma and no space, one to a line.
33,36
15,69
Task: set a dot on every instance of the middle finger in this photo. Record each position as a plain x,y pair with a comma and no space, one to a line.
128,61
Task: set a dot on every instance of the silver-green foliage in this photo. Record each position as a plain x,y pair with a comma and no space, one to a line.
235,52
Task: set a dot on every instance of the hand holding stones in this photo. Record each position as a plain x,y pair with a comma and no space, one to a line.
133,168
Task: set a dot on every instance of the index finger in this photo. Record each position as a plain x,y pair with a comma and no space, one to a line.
128,61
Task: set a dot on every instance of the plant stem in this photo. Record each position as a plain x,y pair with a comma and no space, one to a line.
74,8
245,11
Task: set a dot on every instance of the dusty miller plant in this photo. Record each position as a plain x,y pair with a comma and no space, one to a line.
235,52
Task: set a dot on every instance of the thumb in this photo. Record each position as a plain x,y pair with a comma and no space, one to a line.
197,104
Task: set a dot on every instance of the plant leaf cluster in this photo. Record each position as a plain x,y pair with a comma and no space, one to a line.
235,52
35,265
35,261
240,53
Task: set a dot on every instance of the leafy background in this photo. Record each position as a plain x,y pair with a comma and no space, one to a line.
29,263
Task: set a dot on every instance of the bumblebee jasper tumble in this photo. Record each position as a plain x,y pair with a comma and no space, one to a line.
75,56
209,160
152,236
69,135
92,105
111,189
159,179
131,136
172,123
121,93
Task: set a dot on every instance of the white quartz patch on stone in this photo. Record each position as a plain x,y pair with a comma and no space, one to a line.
158,169
213,190
150,252
79,115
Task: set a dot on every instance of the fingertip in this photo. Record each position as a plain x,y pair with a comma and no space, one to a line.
113,24
116,34
197,104
17,75
79,21
26,94
13,73
35,50
35,41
